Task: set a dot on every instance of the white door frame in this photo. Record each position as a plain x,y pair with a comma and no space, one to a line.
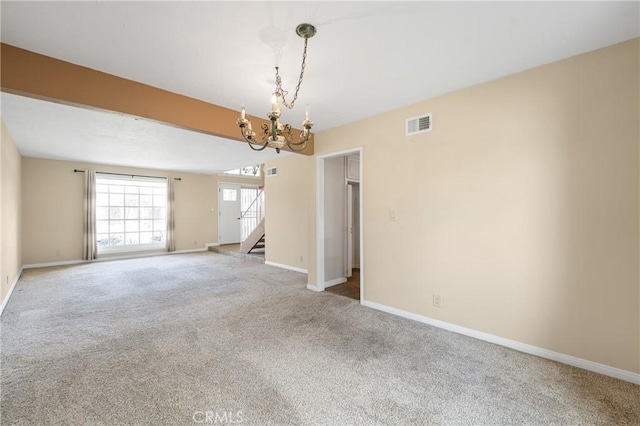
349,230
320,218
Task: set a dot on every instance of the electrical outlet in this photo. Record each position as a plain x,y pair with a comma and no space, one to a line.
301,258
437,300
58,253
195,242
393,215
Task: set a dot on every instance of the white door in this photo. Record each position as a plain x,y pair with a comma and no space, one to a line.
349,230
228,213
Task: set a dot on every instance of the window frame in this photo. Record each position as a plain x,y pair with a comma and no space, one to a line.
121,180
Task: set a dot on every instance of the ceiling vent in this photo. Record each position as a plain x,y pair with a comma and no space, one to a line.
272,171
420,124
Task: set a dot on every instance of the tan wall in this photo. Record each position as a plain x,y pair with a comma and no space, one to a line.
10,212
288,211
52,208
520,208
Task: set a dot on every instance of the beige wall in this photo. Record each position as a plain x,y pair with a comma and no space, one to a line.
520,208
10,212
52,208
288,211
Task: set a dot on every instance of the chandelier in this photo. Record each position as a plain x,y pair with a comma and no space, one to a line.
277,135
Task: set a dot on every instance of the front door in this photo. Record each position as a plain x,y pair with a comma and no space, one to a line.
228,213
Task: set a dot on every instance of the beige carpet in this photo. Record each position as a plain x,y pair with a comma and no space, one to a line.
207,338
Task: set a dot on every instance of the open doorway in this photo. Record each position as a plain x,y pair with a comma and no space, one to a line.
238,212
351,287
339,224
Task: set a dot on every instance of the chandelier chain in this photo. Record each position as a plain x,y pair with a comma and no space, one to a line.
283,92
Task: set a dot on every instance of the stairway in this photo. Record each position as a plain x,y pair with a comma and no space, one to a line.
255,240
259,245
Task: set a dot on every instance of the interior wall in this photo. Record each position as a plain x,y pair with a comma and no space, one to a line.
10,212
52,208
520,209
335,208
288,210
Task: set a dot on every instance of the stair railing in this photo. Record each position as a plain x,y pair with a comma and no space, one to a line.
250,218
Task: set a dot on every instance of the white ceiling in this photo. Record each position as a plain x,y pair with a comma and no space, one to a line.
50,130
367,58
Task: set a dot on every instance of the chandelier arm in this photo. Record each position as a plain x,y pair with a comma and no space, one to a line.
251,140
294,146
281,92
300,142
264,145
305,134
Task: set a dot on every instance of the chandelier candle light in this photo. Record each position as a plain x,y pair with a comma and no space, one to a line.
277,135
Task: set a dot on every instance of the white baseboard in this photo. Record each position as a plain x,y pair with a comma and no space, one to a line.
109,258
335,282
10,292
313,288
291,268
617,373
211,245
188,251
48,264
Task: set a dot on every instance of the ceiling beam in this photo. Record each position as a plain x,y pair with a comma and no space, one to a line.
37,76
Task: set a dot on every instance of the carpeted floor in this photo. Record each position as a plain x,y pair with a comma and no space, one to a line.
211,339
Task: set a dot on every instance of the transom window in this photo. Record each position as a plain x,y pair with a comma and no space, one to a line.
251,171
131,213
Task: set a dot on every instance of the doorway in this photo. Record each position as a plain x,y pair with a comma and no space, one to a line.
251,210
339,223
238,214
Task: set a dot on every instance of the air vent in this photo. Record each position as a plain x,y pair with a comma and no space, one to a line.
421,124
272,171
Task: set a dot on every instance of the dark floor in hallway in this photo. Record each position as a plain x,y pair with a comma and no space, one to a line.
350,289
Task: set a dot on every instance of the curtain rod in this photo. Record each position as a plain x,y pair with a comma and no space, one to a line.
125,174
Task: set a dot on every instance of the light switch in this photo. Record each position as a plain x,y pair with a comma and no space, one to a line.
393,215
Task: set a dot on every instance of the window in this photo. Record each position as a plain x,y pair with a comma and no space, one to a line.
131,213
251,171
229,195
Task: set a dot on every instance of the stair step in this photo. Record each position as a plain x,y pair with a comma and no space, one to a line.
255,237
250,257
